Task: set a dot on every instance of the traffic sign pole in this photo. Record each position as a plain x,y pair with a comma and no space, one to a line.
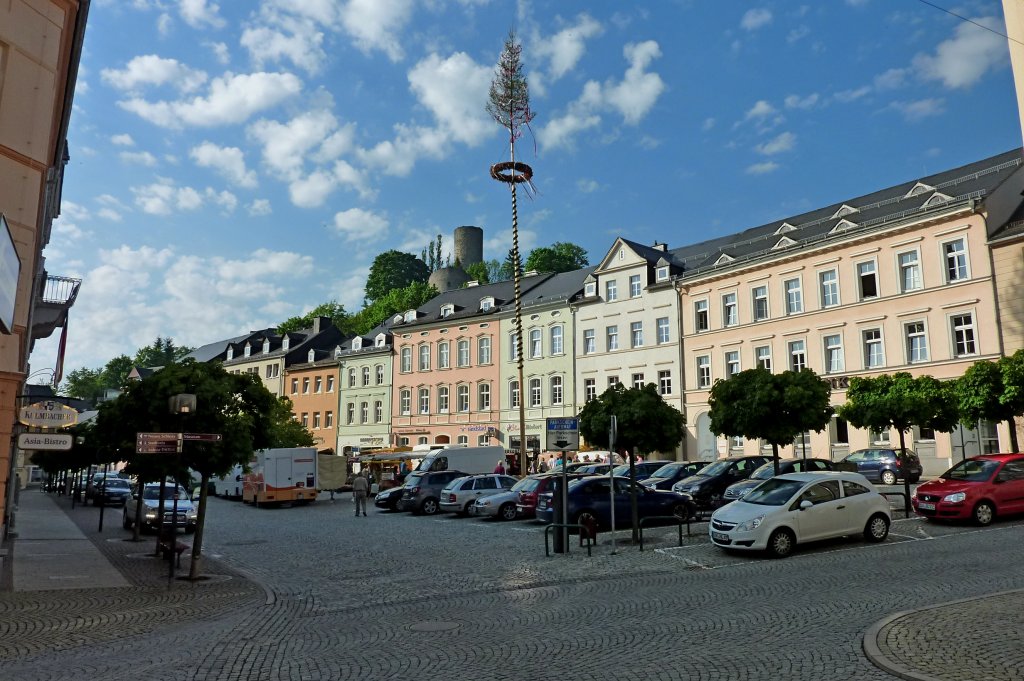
612,432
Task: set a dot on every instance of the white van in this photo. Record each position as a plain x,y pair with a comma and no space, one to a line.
466,459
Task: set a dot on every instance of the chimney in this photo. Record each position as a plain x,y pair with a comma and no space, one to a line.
322,324
472,282
660,247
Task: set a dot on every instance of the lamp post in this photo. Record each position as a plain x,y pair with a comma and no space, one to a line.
180,405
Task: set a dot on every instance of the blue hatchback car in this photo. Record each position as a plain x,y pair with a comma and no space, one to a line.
883,465
590,501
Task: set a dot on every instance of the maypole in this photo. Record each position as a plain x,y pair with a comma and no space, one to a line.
509,105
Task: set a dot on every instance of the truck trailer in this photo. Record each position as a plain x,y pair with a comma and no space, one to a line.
279,476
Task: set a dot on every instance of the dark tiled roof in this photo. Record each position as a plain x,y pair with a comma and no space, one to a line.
466,301
211,351
564,286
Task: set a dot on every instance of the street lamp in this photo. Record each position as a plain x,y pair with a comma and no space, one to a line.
181,404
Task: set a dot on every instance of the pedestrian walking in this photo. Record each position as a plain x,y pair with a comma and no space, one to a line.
500,468
543,468
359,489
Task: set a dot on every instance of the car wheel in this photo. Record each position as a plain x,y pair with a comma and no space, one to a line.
465,509
507,511
781,542
888,478
877,528
681,511
984,513
428,507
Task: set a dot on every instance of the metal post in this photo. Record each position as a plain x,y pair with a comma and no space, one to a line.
174,519
612,432
803,443
565,502
103,494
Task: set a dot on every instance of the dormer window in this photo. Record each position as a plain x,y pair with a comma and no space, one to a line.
231,353
410,316
337,351
266,346
247,350
919,188
661,274
311,356
357,343
590,289
381,340
844,210
937,199
285,342
486,304
783,228
447,310
784,242
723,259
842,226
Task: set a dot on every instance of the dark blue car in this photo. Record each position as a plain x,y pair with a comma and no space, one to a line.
671,473
590,501
880,464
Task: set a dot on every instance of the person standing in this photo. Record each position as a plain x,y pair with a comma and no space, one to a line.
543,468
359,489
500,468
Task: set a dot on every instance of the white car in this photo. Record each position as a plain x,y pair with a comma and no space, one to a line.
796,508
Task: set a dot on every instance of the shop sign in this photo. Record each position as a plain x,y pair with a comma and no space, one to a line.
838,382
48,414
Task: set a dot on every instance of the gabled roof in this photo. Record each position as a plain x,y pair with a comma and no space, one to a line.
467,302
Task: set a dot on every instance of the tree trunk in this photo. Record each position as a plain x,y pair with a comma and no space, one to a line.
775,457
1012,423
197,538
906,476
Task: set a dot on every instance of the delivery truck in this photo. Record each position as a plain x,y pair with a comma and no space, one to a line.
229,486
280,476
466,459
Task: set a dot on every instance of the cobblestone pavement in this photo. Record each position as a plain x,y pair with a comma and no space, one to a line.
396,596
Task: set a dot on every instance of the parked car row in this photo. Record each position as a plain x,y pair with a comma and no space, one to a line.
149,499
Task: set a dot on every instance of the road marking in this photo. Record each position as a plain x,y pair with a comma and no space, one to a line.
906,536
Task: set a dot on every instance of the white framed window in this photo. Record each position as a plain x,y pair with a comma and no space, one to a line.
535,392
422,440
318,383
962,326
462,398
316,420
664,331
589,342
380,374
483,396
536,344
305,386
613,381
378,411
874,351
867,279
513,346
732,363
797,355
447,310
704,371
916,339
636,334
611,334
350,414
834,362
424,358
364,412
247,351
406,360
486,304
700,315
611,290
955,258
638,380
463,440
730,310
462,349
634,286
442,399
513,394
483,350
295,386
424,400
556,339
664,382
266,346
405,402
556,390
330,384
444,355
351,378
589,389
662,273
590,289
909,263
763,357
794,296
328,419
829,283
760,302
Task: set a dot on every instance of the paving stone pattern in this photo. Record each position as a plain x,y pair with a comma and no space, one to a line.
393,596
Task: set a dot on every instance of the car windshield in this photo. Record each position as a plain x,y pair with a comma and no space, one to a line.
774,492
765,472
154,492
972,470
521,485
529,484
667,471
414,479
715,468
115,483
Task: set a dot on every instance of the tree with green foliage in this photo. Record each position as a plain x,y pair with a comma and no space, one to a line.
901,401
332,309
645,423
91,384
560,256
236,406
478,271
393,270
434,257
285,429
160,353
393,302
776,408
508,268
993,391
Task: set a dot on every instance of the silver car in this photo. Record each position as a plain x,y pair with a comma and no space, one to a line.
501,505
150,501
462,493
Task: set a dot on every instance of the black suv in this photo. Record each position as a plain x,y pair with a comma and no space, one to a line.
422,490
671,473
707,486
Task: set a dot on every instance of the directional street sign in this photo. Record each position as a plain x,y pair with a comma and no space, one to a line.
201,437
563,434
156,443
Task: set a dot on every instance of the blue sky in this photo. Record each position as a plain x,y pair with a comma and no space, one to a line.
237,163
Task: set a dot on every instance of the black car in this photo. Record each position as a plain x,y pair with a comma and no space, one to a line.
708,485
643,469
880,464
671,473
590,500
388,499
766,472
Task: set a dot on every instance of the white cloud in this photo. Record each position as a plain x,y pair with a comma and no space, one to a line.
163,197
143,158
73,211
356,224
761,109
377,24
846,96
260,207
563,50
124,140
798,33
762,168
109,214
454,90
587,186
199,14
153,70
231,99
284,37
891,79
754,19
783,142
962,60
285,145
922,108
797,102
229,162
164,24
225,199
707,124
111,201
220,52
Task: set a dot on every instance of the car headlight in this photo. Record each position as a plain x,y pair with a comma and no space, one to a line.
955,498
752,524
191,513
150,515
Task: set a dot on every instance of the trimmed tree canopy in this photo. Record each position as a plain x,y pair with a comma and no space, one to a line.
558,257
392,270
646,423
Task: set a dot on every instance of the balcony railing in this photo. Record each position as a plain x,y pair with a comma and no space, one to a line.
60,290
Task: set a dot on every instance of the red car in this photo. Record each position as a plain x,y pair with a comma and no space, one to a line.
526,504
979,489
